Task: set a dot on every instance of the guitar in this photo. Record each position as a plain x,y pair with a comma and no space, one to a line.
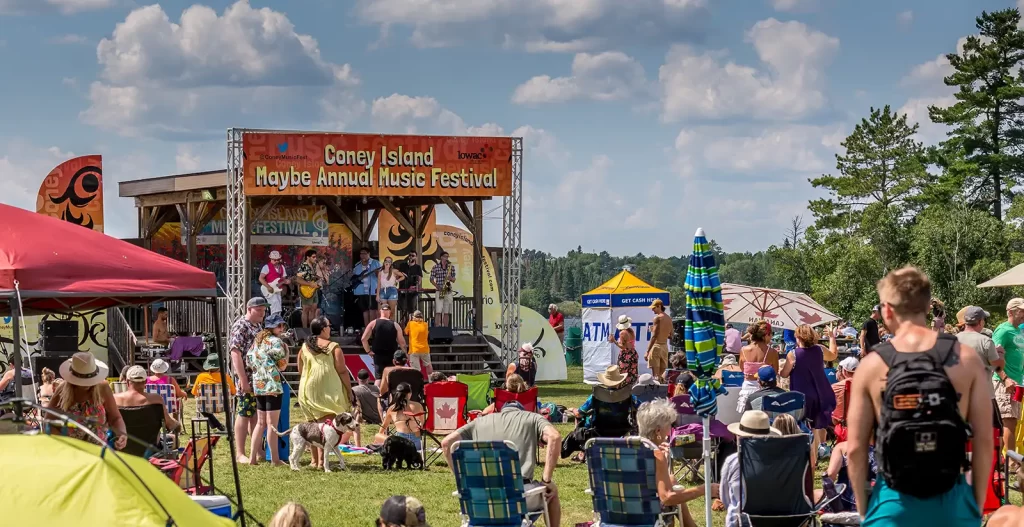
307,291
358,279
274,289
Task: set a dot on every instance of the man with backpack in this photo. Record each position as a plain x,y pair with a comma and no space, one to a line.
921,397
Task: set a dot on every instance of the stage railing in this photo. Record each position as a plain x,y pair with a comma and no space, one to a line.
121,340
462,311
195,316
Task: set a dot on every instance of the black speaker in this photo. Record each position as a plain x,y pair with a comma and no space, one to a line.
58,337
301,333
440,335
39,362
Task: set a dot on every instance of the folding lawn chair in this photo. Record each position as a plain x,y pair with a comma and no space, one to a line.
791,403
528,399
118,387
732,379
144,425
185,470
997,493
623,484
166,392
777,486
685,446
446,413
650,392
490,485
479,389
209,404
840,428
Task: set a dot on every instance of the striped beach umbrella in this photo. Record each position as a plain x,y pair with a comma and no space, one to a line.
705,320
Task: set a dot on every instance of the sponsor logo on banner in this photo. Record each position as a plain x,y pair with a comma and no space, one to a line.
326,164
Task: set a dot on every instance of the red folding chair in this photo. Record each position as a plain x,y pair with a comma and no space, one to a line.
528,399
446,413
841,427
186,470
996,495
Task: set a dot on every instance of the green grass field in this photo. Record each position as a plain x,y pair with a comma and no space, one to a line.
353,497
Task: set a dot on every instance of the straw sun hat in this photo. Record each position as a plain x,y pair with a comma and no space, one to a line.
754,423
82,369
624,323
611,377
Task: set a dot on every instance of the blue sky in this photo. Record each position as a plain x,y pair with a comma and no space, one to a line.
691,113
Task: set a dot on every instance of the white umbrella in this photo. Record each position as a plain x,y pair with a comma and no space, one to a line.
782,309
1012,277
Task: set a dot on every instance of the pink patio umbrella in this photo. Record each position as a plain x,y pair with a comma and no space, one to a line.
782,309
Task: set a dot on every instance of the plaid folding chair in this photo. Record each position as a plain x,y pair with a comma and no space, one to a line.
623,484
446,413
118,387
166,392
490,485
210,403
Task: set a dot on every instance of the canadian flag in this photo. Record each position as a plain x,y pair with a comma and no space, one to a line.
446,411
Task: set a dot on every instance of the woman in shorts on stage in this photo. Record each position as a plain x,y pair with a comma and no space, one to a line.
387,288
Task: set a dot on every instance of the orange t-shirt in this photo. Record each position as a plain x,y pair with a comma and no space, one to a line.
417,331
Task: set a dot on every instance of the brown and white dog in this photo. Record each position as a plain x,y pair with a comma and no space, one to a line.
323,434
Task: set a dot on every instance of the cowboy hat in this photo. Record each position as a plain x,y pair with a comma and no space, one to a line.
611,377
624,323
82,369
159,366
212,362
754,423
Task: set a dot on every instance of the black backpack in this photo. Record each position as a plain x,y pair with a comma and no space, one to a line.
921,437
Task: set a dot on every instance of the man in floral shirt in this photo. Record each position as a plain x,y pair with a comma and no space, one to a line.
243,333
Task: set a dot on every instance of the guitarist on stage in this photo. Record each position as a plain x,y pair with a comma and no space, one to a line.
309,287
273,276
366,291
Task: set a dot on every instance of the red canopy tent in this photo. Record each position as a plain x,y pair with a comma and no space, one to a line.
51,265
59,267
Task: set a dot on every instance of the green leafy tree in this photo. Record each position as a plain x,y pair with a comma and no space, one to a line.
986,120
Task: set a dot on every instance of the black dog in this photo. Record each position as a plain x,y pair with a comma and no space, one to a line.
398,451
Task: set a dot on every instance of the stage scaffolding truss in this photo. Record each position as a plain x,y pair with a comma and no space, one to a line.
238,238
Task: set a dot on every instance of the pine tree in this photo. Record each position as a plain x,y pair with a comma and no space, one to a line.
883,168
986,119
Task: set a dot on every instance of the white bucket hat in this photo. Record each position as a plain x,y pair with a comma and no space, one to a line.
274,255
624,323
159,366
82,369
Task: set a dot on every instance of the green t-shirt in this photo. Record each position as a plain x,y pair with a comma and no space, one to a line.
1012,341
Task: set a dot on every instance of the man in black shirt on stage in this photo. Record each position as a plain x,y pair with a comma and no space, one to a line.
408,300
869,332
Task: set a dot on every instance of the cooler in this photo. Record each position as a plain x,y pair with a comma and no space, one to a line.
218,505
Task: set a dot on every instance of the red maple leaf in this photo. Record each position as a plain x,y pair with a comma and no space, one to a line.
446,411
809,318
767,314
726,302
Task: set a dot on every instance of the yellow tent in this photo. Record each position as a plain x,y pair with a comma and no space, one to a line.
50,480
625,295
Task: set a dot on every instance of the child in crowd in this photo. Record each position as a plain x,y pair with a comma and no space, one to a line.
291,515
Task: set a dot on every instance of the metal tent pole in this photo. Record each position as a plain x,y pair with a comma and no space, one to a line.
227,407
16,337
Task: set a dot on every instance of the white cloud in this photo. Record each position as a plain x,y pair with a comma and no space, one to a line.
905,18
790,85
70,82
186,160
535,25
601,77
925,80
927,76
773,152
916,110
794,5
66,7
70,38
398,113
24,166
209,72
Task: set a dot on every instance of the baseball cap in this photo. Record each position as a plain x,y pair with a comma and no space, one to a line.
136,373
974,314
256,301
877,308
1015,304
403,511
849,363
766,373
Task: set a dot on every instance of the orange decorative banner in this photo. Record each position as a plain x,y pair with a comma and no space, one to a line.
73,192
295,164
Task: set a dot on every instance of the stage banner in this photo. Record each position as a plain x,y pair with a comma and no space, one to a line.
534,328
302,225
336,164
597,353
73,192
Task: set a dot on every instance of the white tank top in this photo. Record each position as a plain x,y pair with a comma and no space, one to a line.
385,282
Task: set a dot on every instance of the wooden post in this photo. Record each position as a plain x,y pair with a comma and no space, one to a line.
478,267
419,221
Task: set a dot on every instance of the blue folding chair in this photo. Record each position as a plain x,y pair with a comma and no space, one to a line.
732,379
490,485
791,403
623,484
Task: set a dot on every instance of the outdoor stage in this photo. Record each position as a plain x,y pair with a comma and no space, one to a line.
293,191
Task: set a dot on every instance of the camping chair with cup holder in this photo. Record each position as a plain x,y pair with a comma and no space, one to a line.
528,399
479,389
650,392
490,485
791,403
395,377
732,379
446,413
685,445
777,482
623,484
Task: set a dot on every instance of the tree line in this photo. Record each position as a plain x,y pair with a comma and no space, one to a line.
954,209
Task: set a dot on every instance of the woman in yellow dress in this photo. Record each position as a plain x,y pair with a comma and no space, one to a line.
325,385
